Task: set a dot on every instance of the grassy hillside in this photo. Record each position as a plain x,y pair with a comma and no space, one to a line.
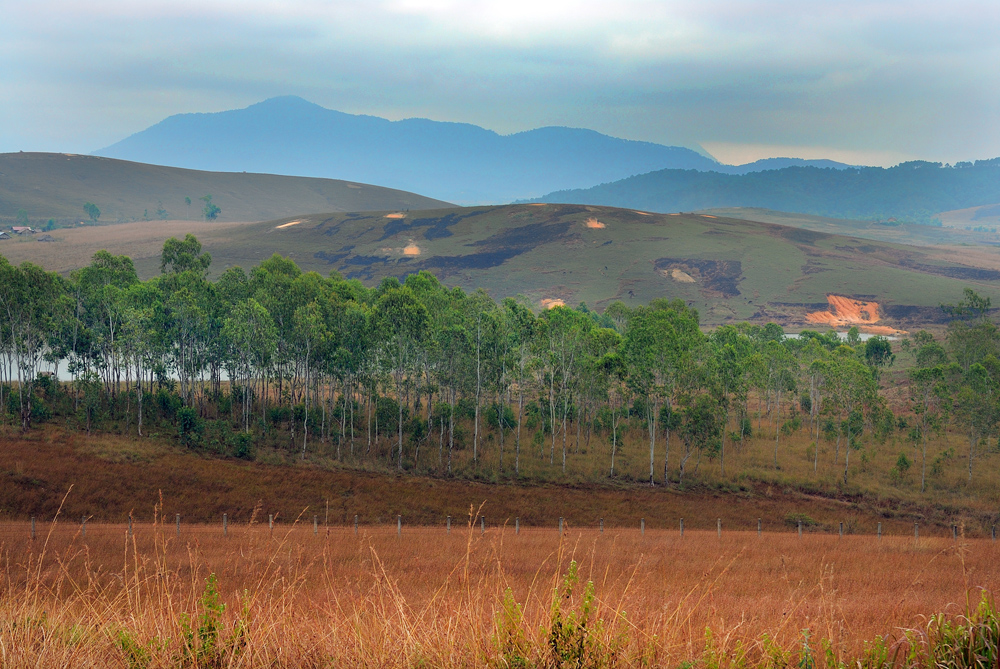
730,269
56,186
885,231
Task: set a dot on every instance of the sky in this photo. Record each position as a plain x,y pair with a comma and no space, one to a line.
861,81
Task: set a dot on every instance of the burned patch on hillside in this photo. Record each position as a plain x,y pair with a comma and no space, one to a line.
802,236
525,237
956,271
499,248
437,226
715,277
334,257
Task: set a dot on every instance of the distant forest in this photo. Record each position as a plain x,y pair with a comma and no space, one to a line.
911,192
409,373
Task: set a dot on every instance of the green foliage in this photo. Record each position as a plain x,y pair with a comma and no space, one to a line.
206,645
92,211
190,426
509,636
574,637
243,446
493,413
211,209
793,519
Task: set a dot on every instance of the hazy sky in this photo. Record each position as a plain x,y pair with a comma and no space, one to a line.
863,81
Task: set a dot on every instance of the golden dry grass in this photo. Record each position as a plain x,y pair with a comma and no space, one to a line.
429,598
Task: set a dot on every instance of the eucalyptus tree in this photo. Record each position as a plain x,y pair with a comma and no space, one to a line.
522,330
566,331
481,318
270,283
782,370
975,398
402,324
657,346
31,302
927,390
102,307
732,351
853,392
251,338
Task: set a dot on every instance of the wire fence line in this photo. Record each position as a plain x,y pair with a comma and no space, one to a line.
86,526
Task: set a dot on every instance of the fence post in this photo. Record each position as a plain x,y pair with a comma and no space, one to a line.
315,524
642,526
83,527
880,531
225,525
954,532
994,532
177,519
718,526
602,526
841,530
560,524
270,523
355,523
129,524
482,524
800,528
517,526
33,528
399,526
758,527
682,528
916,532
449,525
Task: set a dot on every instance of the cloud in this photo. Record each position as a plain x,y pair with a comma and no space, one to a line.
884,77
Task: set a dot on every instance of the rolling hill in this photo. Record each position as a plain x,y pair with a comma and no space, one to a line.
730,269
56,186
912,192
458,162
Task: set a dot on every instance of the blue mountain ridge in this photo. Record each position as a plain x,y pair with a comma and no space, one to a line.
457,162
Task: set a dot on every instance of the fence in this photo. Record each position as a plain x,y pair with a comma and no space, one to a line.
38,527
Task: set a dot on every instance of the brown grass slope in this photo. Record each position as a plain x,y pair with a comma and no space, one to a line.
56,185
112,476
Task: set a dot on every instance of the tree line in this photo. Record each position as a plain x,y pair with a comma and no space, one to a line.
325,363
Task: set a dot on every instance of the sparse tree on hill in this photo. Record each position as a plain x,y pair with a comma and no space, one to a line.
92,211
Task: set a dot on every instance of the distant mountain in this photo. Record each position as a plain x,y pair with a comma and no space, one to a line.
57,185
913,191
779,164
457,162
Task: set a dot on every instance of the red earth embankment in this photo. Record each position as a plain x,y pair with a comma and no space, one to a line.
849,312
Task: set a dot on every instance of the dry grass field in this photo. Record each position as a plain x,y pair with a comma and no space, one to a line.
292,598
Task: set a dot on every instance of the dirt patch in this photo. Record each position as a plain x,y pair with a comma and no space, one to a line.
552,303
678,275
411,249
594,224
396,215
718,278
848,311
286,225
708,216
646,213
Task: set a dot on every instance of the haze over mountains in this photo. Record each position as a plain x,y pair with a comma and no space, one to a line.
912,192
456,162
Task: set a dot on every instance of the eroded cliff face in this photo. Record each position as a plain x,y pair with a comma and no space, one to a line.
848,312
